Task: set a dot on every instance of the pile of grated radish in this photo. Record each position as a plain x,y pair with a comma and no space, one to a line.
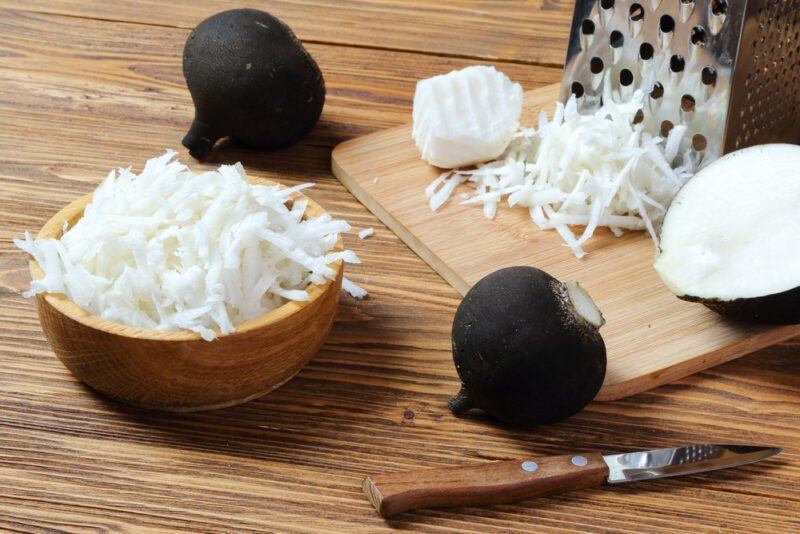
170,249
596,169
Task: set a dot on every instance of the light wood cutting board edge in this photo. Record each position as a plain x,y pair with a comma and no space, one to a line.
759,338
397,227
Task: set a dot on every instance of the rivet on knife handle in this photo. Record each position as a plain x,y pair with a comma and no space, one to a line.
490,483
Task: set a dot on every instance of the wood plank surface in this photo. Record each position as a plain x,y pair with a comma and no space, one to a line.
523,31
651,337
130,77
80,94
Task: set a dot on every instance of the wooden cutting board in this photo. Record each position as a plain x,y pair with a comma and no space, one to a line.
652,337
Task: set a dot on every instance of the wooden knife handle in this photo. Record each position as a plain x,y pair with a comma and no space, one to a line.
489,483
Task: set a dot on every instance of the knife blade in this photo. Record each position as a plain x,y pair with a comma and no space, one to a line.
676,461
514,480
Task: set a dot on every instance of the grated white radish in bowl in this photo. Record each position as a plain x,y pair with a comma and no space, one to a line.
169,249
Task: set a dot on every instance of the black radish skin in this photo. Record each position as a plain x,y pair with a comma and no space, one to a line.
524,354
250,79
779,308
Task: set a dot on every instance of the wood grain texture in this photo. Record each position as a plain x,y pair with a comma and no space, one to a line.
524,31
180,371
126,85
78,97
482,484
651,337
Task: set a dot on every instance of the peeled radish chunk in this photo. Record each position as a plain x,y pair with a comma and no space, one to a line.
466,116
731,236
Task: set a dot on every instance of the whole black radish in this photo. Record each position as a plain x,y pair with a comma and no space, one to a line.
250,79
527,348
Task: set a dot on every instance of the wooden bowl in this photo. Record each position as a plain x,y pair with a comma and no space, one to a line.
178,371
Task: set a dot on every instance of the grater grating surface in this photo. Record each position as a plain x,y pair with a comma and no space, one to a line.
727,70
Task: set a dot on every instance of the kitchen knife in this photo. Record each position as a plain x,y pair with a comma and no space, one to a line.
515,480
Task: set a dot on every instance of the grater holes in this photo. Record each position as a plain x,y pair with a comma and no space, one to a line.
666,127
677,63
769,108
635,19
686,9
666,30
577,89
616,39
646,51
625,77
687,103
698,36
606,11
703,33
709,76
636,12
587,33
666,24
639,117
657,91
596,65
718,12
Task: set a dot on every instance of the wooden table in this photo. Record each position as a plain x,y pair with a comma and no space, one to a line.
86,86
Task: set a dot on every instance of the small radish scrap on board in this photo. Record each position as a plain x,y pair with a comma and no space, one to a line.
590,170
170,249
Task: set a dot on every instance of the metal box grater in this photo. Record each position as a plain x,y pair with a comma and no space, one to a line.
728,70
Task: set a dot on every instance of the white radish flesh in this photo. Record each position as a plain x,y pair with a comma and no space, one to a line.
733,232
465,116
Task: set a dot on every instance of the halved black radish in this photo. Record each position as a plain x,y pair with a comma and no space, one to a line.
731,238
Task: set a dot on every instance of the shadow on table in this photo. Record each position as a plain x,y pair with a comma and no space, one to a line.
348,400
346,396
370,407
304,160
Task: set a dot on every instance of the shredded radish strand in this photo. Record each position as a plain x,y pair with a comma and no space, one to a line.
590,170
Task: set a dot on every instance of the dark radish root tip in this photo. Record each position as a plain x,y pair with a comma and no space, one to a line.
461,403
200,140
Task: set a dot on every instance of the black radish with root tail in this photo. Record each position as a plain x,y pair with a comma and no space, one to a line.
527,348
250,79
